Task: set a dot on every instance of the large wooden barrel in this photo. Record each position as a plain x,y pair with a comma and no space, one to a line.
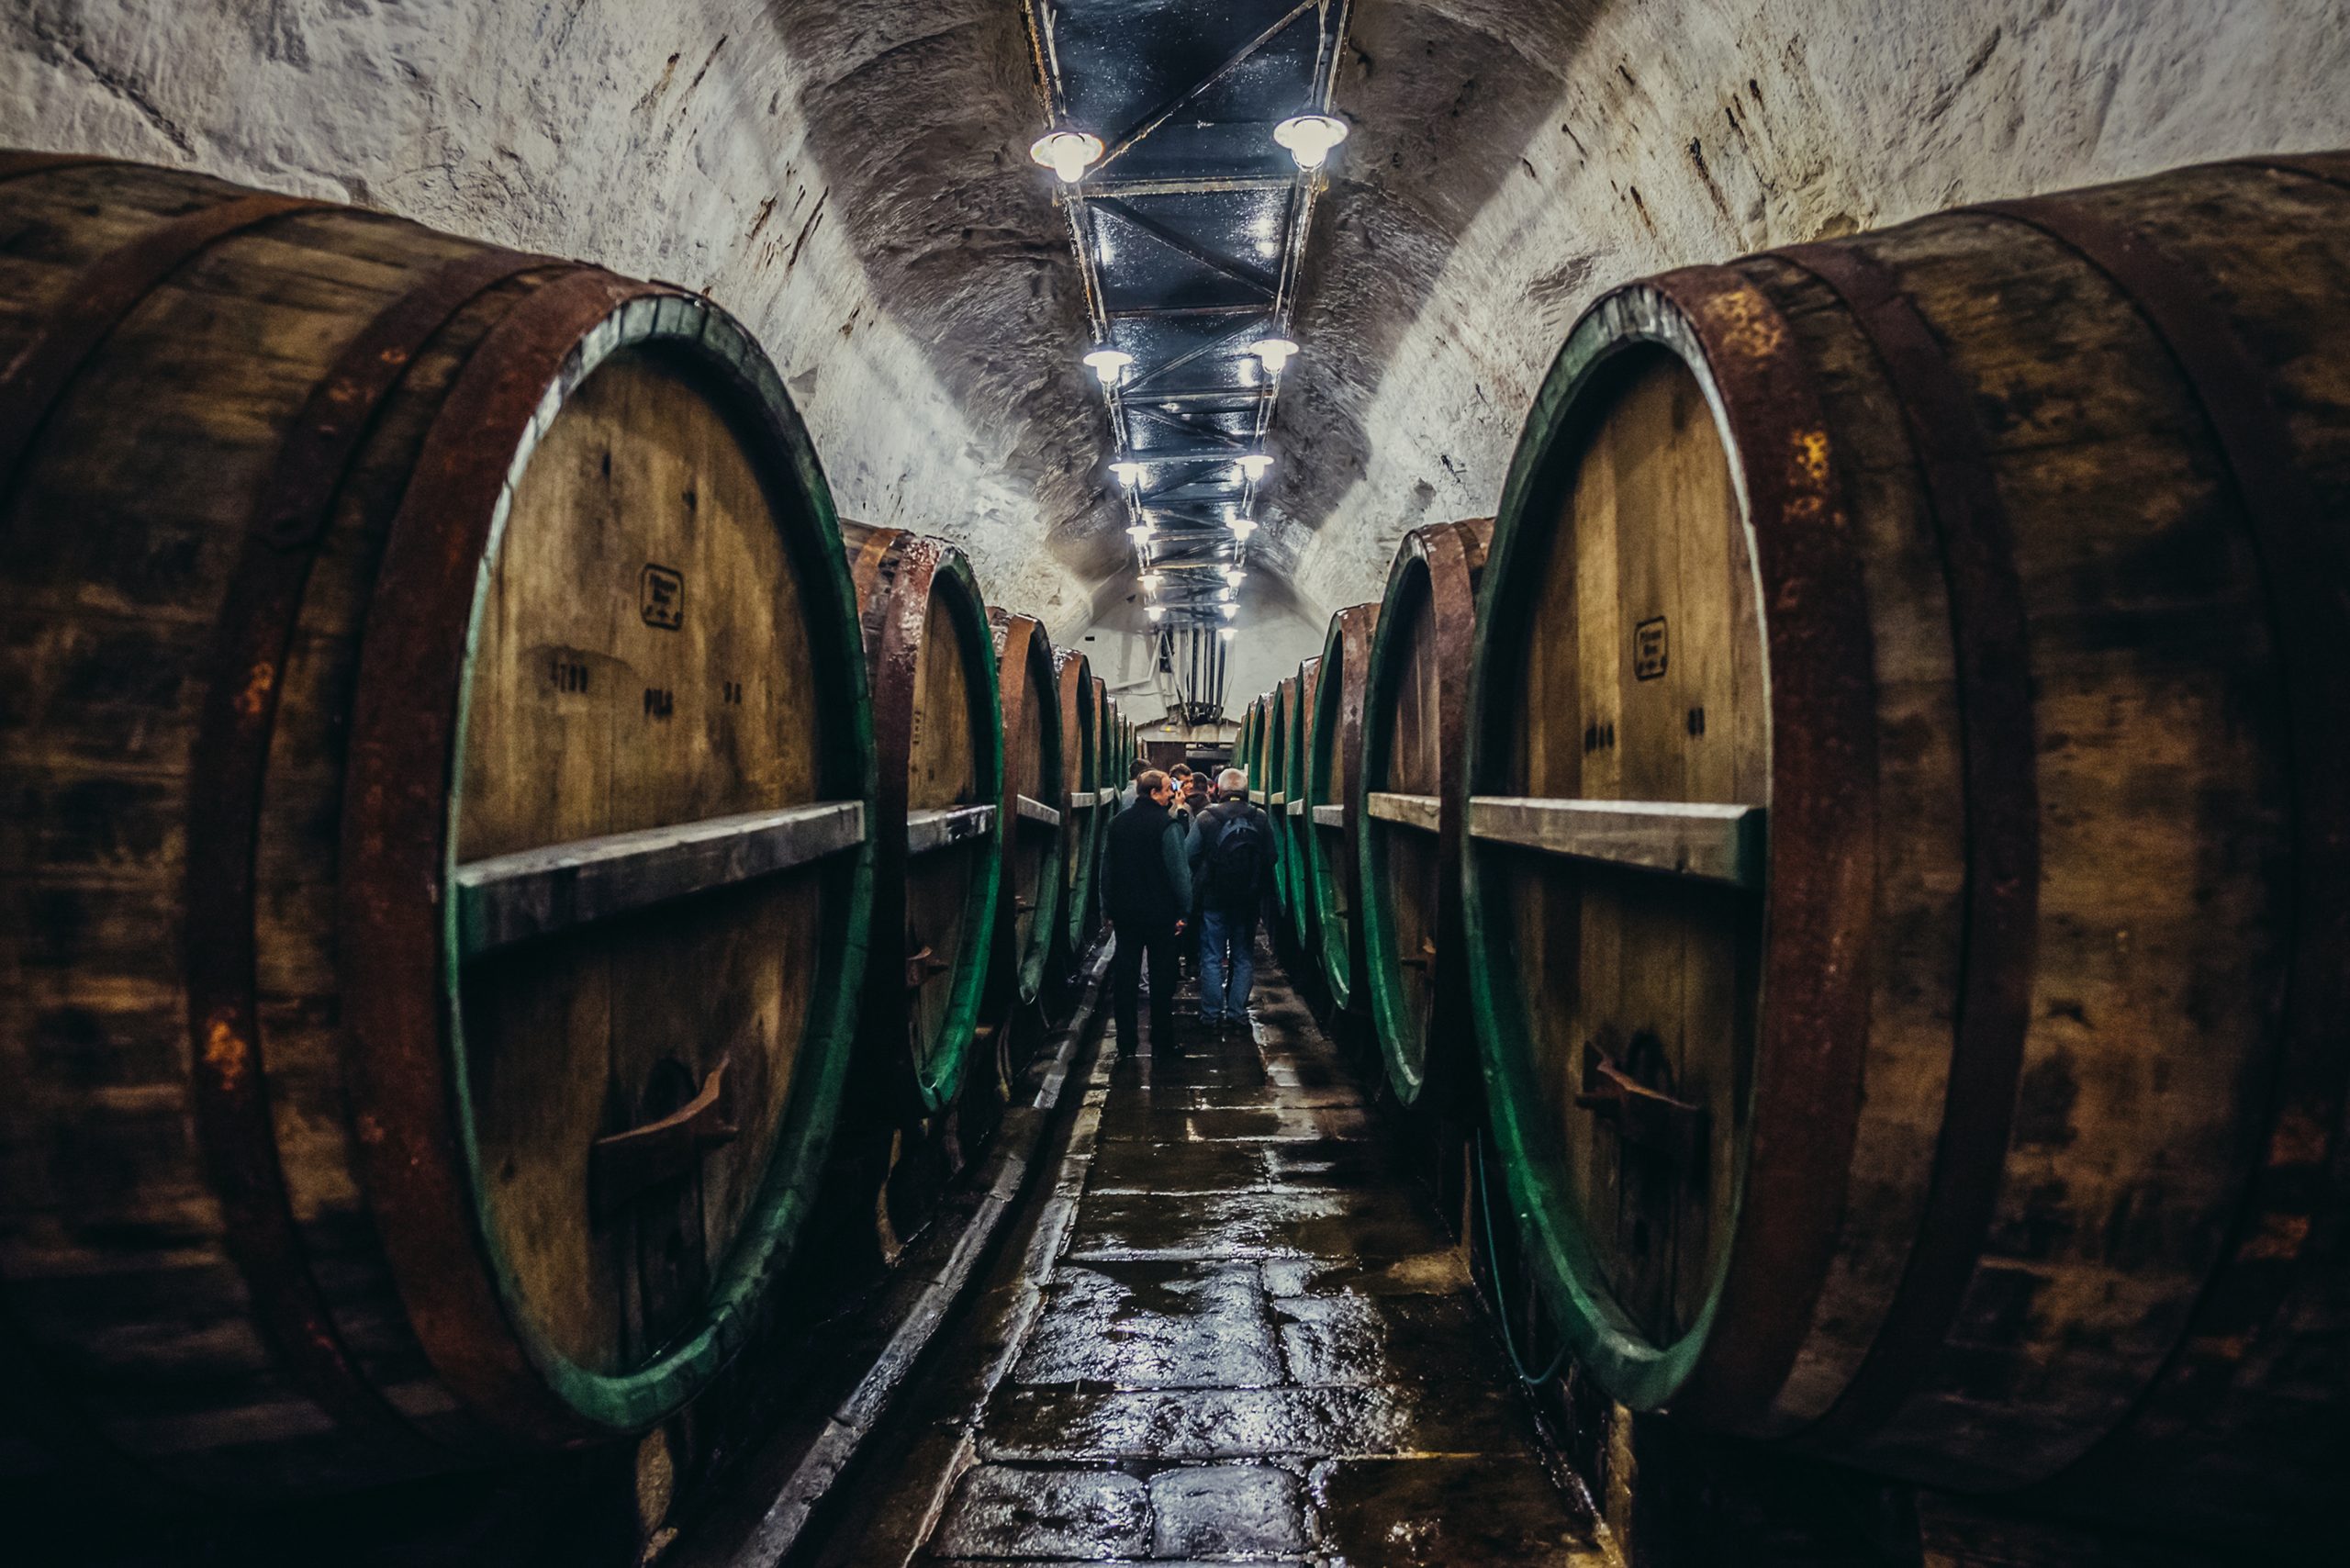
1084,817
1409,799
1105,763
1907,863
433,882
1034,803
939,752
1291,826
1334,756
1243,745
1282,710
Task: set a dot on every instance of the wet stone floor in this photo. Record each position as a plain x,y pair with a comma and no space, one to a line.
1233,1331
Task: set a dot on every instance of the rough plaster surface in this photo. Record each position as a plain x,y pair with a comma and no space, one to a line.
848,176
1512,161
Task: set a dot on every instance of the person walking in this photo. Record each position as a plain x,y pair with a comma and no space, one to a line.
1147,895
1230,851
1135,770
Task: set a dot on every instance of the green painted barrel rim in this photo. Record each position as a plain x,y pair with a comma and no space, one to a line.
1276,748
1324,872
1028,981
626,1402
1302,923
1401,1045
1078,890
1566,1269
939,1076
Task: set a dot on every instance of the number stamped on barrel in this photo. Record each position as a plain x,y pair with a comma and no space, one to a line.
661,597
1648,650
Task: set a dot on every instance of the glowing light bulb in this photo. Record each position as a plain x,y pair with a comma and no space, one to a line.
1309,138
1229,611
1126,473
1106,363
1139,533
1226,632
1255,464
1232,577
1157,612
1275,352
1070,153
1242,527
1150,581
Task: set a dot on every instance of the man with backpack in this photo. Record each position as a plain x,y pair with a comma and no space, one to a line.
1231,851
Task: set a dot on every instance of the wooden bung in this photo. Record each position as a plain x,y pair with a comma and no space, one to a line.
1924,1042
435,874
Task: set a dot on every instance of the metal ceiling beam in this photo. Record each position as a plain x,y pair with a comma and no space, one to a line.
1174,106
1163,312
1232,267
1187,184
1176,422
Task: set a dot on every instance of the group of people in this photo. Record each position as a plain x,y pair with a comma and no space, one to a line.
1189,868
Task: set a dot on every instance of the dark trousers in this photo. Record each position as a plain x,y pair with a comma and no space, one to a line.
1125,985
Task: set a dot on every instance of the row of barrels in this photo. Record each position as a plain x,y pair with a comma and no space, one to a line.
1865,834
484,850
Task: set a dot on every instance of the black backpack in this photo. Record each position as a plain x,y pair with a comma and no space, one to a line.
1237,860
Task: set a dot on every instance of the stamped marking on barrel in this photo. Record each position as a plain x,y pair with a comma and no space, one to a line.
661,597
1649,650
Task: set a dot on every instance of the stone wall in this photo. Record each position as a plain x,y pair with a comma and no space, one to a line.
1512,161
849,177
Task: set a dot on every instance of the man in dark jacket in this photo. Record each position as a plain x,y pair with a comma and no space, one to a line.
1146,892
1230,851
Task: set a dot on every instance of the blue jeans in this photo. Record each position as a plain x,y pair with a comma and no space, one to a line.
1217,932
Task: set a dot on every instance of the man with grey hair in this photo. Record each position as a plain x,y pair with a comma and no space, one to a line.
1230,847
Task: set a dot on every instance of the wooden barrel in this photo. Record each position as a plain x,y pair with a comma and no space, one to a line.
1334,756
1034,803
938,834
1409,800
1106,769
1083,818
1290,824
1243,745
432,889
1907,864
1277,728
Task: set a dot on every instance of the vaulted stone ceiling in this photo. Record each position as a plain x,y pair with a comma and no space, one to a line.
850,176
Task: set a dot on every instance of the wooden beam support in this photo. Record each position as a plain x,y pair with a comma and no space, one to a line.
936,828
1711,842
1422,812
1296,806
511,898
1329,817
1037,811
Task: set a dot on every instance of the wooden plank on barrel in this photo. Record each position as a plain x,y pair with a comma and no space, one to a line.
1296,808
1084,800
1422,811
1035,810
941,826
507,899
1329,817
1714,843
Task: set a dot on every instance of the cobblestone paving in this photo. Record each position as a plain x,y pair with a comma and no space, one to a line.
1238,1336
